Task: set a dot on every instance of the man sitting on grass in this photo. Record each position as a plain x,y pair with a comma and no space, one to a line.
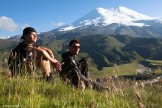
27,55
70,70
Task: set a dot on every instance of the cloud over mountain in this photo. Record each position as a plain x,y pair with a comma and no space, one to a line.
8,24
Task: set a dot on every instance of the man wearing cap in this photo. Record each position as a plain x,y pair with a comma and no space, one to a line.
26,55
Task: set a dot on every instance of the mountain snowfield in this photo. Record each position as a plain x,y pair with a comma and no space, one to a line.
104,17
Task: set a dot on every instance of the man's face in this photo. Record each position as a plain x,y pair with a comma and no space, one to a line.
74,49
31,37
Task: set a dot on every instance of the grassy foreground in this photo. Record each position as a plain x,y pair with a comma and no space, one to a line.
30,92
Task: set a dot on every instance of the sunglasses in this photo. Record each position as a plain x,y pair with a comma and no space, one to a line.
75,47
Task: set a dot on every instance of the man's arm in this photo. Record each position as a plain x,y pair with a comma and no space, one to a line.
48,51
40,51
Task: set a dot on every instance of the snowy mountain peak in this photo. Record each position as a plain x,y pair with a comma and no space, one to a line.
104,17
122,15
133,14
123,12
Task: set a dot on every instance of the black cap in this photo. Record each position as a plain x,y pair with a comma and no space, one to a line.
27,30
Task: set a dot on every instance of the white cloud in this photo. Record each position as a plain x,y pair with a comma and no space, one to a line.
7,24
57,24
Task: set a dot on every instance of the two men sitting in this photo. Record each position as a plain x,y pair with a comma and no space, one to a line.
28,55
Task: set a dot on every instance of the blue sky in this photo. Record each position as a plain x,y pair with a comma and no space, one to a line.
45,15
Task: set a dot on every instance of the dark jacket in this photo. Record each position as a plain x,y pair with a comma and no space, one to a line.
69,68
68,58
71,72
17,58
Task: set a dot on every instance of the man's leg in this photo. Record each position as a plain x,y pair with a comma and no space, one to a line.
46,70
45,65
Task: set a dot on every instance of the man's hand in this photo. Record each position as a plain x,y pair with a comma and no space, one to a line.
57,66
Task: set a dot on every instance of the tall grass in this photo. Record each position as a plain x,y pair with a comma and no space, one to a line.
31,92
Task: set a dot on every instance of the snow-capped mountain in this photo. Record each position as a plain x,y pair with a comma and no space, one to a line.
120,15
119,20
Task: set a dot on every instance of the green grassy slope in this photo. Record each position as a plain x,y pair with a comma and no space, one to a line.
36,93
